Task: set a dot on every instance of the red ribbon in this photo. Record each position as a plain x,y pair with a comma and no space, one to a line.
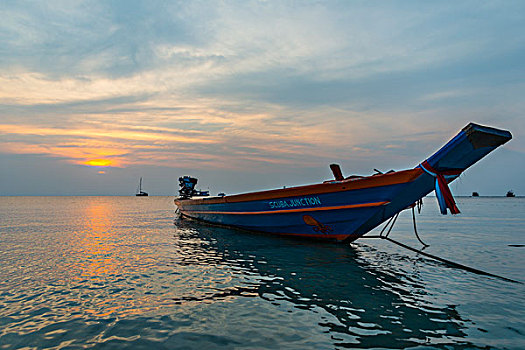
443,186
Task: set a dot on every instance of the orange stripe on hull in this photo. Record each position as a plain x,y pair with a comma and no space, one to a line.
349,206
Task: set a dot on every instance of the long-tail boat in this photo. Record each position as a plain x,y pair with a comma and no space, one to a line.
344,209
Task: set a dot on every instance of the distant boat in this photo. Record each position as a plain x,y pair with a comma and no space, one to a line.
345,208
141,193
511,194
475,194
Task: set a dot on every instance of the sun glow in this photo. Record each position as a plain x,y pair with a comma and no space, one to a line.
99,162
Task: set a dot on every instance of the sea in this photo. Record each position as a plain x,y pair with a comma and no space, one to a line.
124,272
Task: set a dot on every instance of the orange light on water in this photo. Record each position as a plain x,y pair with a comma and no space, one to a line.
99,162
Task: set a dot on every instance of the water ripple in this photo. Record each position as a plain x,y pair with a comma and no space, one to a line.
116,272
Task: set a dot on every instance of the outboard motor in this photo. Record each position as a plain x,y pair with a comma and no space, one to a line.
187,187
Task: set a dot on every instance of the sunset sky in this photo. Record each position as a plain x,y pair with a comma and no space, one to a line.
250,95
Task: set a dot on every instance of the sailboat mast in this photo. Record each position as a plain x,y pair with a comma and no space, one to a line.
140,185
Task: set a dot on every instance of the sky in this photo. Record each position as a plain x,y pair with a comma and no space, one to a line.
251,95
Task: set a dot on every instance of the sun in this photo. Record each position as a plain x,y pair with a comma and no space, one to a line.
99,162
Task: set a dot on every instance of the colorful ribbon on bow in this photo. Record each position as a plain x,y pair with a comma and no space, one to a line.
443,194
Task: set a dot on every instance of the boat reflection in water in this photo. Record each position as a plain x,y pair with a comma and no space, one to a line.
346,299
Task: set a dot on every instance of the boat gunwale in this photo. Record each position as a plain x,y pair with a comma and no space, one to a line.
394,178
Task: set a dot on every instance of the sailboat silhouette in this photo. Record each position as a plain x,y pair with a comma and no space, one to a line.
141,193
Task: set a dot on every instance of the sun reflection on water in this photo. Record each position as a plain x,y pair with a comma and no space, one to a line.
98,242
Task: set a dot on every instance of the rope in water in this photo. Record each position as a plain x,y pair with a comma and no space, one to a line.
419,204
391,223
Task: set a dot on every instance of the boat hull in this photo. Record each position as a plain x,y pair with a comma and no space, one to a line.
330,211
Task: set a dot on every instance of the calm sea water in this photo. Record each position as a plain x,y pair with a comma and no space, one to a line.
118,272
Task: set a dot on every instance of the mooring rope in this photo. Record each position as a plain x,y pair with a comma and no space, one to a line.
415,228
390,225
393,221
451,263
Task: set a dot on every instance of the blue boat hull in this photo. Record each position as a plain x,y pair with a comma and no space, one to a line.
344,210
